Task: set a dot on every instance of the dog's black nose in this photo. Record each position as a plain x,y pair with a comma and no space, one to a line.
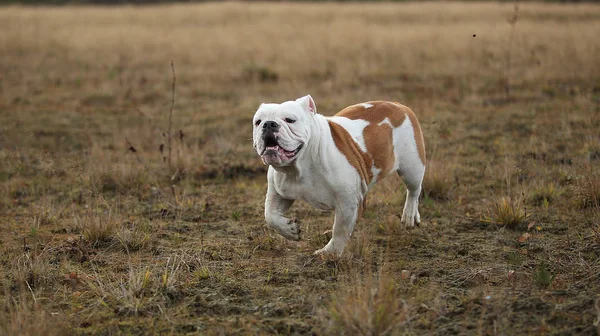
271,126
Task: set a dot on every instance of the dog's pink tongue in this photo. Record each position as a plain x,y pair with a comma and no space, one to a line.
285,153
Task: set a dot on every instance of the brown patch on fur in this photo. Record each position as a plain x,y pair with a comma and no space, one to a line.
378,138
344,142
376,135
377,113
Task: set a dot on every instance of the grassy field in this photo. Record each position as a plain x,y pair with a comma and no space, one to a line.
115,221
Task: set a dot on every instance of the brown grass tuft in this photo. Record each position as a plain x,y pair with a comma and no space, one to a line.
507,212
368,306
587,190
546,194
124,179
143,290
129,295
26,317
360,247
438,181
99,226
133,239
33,269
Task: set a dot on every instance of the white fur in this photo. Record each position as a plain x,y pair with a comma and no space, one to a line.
355,128
386,121
375,171
321,175
366,105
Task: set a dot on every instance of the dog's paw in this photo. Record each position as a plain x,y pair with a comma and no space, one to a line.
293,229
410,218
331,249
323,251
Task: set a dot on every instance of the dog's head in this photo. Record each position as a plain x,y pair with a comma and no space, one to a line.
281,131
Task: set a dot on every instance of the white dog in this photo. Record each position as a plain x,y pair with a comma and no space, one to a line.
332,162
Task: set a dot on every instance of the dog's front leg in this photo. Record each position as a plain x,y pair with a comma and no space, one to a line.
343,225
275,207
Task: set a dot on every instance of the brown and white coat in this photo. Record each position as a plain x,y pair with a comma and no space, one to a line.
332,162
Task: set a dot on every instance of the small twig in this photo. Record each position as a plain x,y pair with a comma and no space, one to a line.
32,294
513,22
169,149
135,152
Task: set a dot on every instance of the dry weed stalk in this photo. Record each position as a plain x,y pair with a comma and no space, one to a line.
512,21
135,152
170,125
173,173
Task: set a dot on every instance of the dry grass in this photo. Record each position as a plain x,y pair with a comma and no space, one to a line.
133,239
130,295
143,290
546,194
369,305
438,181
507,212
587,189
33,269
100,226
28,318
114,241
360,247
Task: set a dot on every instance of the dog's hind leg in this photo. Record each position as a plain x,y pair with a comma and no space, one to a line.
413,178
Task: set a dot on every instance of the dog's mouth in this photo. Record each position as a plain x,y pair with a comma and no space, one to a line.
276,150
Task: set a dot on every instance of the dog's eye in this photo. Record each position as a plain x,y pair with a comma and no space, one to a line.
289,120
257,122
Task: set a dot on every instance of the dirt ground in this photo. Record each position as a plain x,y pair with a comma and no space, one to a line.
114,220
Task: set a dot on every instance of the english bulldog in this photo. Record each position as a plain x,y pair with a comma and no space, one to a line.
333,162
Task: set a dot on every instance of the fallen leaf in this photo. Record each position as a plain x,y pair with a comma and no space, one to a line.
524,237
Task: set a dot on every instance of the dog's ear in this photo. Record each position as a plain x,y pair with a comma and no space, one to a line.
308,104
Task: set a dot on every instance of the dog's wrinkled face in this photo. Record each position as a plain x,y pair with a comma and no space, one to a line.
281,131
